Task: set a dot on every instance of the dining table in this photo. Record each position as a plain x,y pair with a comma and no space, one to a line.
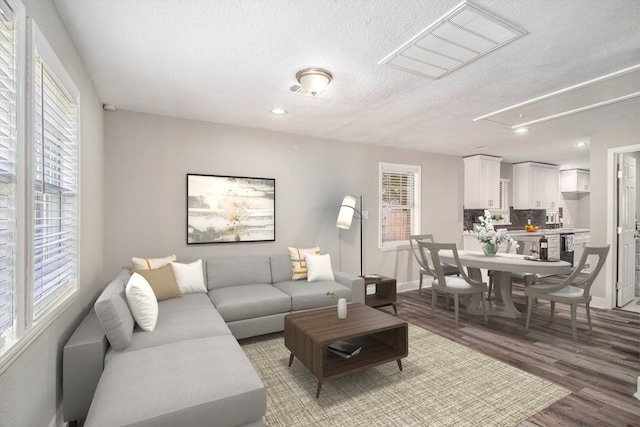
502,265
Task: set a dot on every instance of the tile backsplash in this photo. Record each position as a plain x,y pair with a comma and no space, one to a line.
519,218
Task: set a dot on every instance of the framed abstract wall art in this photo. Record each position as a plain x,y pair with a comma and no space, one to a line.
225,209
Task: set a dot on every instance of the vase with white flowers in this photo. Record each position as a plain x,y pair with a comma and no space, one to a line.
488,236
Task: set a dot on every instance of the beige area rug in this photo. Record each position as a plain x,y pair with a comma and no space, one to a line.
442,384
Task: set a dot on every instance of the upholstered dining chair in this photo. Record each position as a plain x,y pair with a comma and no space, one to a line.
449,270
574,290
454,285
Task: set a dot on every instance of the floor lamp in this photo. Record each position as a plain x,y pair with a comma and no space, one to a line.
345,216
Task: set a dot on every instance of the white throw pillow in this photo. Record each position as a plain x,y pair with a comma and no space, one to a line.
318,267
142,302
190,277
298,264
151,263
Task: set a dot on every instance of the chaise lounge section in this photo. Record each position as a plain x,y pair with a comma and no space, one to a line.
190,369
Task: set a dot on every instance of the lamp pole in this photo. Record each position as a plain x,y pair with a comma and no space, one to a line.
361,246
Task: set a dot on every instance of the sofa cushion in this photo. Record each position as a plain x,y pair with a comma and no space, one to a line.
142,302
309,295
162,281
113,312
181,319
238,271
190,277
249,301
298,261
280,268
206,381
151,263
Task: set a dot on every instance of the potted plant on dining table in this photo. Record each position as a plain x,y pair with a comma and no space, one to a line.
488,236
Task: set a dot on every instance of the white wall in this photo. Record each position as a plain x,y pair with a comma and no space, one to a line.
31,389
575,209
600,144
148,158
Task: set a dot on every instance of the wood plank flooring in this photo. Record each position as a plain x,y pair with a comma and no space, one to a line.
601,369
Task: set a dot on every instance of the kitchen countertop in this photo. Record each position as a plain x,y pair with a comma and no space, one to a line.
548,232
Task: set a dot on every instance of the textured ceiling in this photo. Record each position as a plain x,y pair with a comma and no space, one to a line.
230,61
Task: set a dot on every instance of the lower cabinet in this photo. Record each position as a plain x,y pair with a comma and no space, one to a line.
580,241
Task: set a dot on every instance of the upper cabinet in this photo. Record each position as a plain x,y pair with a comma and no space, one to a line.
574,181
482,182
535,186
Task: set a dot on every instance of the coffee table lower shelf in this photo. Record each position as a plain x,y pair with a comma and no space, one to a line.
382,342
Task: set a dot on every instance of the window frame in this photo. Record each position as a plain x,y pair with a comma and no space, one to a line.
31,319
415,225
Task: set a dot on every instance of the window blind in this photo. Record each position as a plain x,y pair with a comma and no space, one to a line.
7,170
398,203
55,192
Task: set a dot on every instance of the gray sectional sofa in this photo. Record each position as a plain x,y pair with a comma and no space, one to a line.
190,370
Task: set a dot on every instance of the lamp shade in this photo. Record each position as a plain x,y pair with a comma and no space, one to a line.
314,80
347,209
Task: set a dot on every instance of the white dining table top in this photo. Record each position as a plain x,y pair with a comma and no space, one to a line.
506,262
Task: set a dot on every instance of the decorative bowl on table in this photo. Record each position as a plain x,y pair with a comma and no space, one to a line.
531,228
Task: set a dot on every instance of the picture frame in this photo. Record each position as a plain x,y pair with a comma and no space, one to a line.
230,209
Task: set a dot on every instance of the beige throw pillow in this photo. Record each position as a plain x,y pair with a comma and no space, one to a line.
162,281
151,263
298,265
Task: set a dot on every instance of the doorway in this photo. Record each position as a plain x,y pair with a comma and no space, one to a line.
627,252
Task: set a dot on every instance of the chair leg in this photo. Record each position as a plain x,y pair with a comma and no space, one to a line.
455,303
553,308
490,286
574,327
434,296
589,316
484,307
529,304
420,286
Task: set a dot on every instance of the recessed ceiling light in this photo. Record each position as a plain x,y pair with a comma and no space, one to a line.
521,130
580,145
278,111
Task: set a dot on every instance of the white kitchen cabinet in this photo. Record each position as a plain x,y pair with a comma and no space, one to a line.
574,181
553,242
554,246
580,241
535,186
482,182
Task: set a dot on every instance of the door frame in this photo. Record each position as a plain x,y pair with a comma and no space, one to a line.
612,220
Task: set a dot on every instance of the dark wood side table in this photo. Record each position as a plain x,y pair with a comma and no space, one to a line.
385,293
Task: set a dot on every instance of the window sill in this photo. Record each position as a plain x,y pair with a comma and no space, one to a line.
398,247
13,348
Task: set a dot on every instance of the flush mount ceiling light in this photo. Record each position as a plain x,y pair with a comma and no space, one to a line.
314,80
463,35
608,89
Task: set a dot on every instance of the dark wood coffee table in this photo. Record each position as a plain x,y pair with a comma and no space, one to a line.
383,338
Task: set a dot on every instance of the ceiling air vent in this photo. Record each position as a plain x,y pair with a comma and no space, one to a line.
298,90
463,35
